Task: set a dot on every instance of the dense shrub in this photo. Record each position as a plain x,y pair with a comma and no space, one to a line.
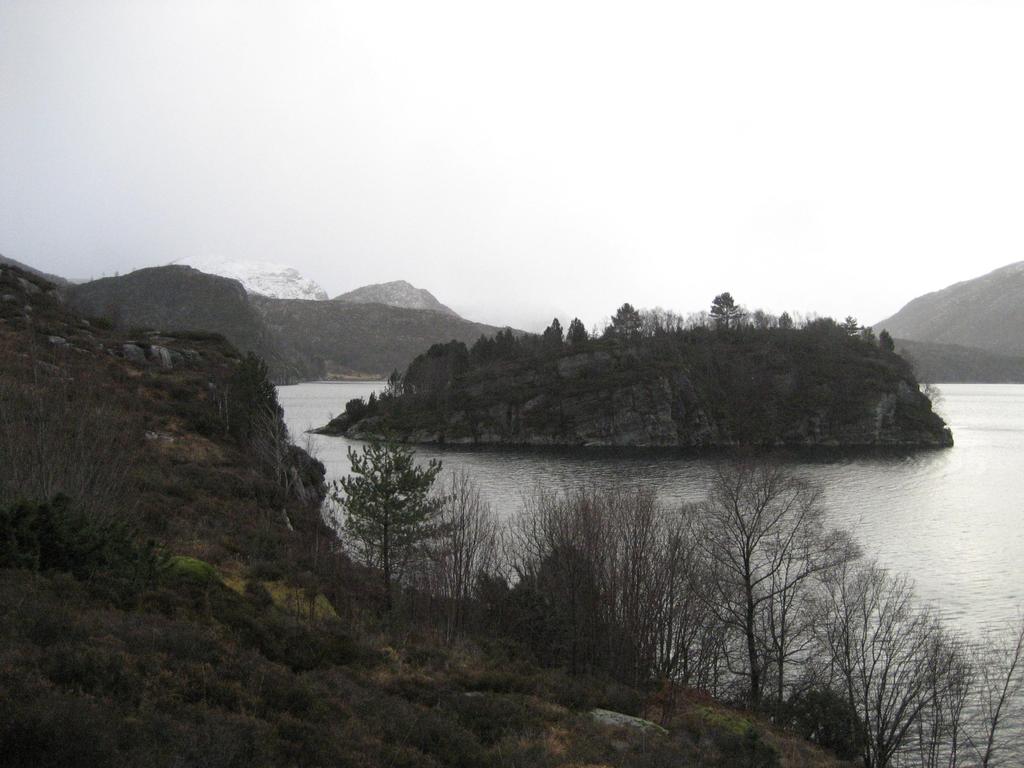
54,536
826,718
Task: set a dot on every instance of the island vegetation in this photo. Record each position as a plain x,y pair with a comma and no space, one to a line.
722,378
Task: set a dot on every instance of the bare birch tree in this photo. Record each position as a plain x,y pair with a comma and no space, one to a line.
763,534
465,546
883,646
1001,699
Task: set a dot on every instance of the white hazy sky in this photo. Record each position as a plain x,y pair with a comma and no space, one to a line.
522,159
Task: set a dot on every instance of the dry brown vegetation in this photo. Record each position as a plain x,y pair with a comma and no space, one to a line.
244,636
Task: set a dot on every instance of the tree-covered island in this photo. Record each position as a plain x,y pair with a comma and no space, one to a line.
723,378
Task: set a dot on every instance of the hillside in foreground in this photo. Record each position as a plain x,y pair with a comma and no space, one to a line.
170,595
695,388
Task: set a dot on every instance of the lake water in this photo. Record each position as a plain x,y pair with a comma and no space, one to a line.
952,519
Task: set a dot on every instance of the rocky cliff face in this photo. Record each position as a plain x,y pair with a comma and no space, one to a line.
613,397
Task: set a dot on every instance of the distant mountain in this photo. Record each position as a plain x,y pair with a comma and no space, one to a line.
300,340
356,337
46,276
261,277
951,363
986,312
180,298
398,293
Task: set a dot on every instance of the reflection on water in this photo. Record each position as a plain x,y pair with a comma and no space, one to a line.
953,519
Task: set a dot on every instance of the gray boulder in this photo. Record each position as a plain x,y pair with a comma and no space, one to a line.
134,352
620,720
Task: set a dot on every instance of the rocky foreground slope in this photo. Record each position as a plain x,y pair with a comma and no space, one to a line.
692,389
182,603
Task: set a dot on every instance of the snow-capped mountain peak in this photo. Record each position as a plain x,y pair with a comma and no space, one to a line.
265,278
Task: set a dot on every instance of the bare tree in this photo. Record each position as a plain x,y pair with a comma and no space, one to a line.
555,546
763,534
616,571
1000,697
688,638
60,433
941,726
883,647
465,546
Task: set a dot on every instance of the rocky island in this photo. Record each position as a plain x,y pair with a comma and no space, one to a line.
727,385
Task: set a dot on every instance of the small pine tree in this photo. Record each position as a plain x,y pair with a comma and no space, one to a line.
505,344
851,326
785,321
249,400
552,336
388,505
885,342
725,312
577,335
394,387
627,322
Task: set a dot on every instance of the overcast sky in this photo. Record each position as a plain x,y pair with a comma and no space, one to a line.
522,159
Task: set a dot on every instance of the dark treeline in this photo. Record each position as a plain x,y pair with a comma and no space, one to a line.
656,329
749,596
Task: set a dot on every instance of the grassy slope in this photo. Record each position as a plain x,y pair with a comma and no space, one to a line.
257,645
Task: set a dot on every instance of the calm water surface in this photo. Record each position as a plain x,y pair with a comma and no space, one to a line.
953,519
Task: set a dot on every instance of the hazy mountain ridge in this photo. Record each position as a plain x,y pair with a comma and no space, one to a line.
952,363
260,277
397,293
362,337
299,339
986,312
